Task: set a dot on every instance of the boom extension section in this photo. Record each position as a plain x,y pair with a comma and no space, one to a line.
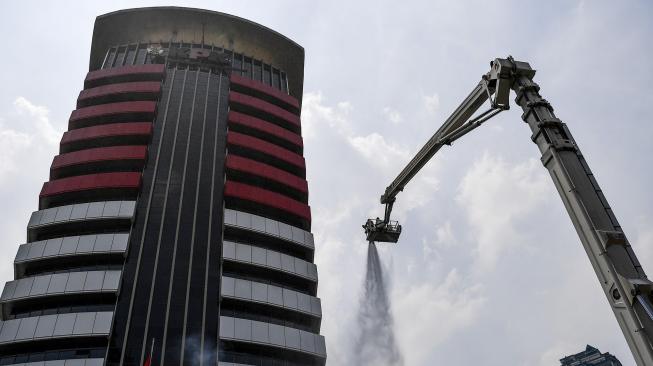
626,287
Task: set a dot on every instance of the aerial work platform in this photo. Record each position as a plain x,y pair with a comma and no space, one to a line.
377,230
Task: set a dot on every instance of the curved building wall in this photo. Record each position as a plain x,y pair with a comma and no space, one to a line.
175,226
181,172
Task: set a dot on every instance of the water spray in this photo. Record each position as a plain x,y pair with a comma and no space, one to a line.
376,343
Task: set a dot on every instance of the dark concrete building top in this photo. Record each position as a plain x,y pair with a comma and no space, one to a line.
590,357
176,24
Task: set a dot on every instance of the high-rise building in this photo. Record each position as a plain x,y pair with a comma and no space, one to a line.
175,226
590,357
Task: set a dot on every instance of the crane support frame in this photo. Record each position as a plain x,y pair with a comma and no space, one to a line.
617,268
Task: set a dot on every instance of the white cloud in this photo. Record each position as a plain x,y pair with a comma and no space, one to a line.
431,312
445,237
40,120
25,137
28,141
316,113
28,131
641,238
338,241
553,354
12,143
390,159
495,195
420,192
393,115
431,103
379,152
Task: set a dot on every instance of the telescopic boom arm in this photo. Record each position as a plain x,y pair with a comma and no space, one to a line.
620,274
495,86
453,128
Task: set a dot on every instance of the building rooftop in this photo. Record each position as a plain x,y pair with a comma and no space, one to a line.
590,357
164,24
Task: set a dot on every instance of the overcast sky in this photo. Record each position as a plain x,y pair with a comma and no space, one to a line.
489,270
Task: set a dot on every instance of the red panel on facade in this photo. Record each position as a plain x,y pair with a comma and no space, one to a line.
267,198
266,171
238,139
149,87
264,126
260,87
264,106
99,154
94,77
113,129
129,180
111,109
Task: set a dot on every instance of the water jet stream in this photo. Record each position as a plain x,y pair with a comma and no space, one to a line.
375,344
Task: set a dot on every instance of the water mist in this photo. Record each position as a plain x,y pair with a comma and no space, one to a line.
375,343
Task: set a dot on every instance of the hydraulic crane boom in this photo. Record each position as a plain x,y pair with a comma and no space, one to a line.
620,274
495,86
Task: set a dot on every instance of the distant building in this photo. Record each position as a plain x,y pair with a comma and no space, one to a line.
590,357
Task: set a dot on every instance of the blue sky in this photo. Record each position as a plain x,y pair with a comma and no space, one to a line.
489,270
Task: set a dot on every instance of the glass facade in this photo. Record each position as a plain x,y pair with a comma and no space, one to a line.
174,257
137,54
